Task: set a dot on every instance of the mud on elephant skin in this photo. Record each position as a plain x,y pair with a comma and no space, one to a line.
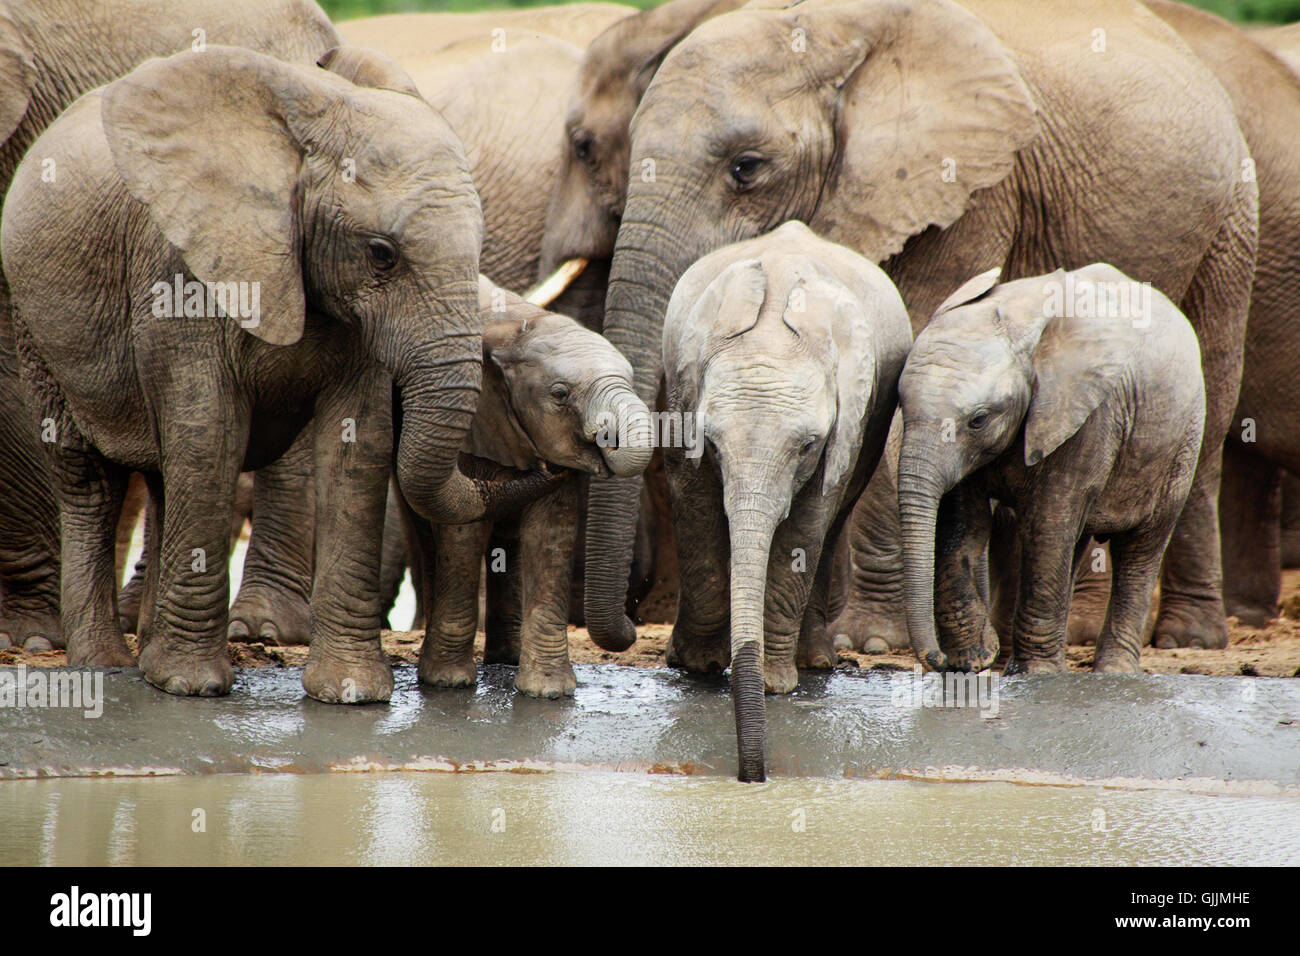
786,351
362,284
555,392
744,136
1076,401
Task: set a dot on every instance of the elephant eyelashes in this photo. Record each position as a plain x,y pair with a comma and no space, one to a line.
978,421
382,253
745,168
584,147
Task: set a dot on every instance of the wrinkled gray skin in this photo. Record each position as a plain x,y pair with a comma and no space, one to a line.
552,391
227,166
50,53
1087,423
786,350
937,139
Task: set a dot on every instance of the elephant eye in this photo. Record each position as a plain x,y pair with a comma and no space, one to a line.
584,147
808,446
560,392
381,252
745,168
978,421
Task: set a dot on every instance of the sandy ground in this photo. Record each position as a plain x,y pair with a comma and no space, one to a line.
1271,651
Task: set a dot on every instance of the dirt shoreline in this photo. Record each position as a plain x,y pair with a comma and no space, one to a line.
1269,651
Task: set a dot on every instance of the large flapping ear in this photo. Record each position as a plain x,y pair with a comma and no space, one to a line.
363,66
705,307
16,74
929,108
211,142
1078,364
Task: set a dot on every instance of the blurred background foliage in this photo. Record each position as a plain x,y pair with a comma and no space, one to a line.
1269,11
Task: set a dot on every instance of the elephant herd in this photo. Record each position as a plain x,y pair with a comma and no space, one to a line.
920,302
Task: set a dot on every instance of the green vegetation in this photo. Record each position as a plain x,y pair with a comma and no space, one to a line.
1272,11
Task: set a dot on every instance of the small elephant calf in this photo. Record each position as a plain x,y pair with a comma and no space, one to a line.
553,392
1075,399
782,357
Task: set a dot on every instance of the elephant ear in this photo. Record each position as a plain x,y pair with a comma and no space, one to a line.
17,74
970,290
837,311
705,307
1078,364
211,143
639,43
928,107
369,68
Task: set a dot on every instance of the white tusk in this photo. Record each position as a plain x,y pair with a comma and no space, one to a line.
556,283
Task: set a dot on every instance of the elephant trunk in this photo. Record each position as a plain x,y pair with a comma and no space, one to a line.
919,490
752,519
438,380
642,278
620,424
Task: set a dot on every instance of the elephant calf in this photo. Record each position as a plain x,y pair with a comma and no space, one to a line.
784,353
552,391
1077,400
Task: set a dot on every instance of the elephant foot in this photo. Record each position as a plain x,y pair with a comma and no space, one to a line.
1116,664
1251,614
1184,623
34,633
1035,665
551,682
268,615
817,653
186,670
334,681
779,678
979,655
870,632
443,673
698,655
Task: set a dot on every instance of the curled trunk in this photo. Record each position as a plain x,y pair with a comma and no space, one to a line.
622,425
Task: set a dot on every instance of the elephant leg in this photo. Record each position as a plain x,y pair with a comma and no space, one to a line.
1191,584
346,663
547,532
962,531
273,604
1250,513
1290,521
203,442
90,491
874,617
504,614
150,557
700,640
1091,599
29,528
451,557
1136,558
1004,577
1048,559
794,571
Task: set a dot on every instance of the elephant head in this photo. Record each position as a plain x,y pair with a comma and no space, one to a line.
553,391
870,120
773,346
352,204
994,367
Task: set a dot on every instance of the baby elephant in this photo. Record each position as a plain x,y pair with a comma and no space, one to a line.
553,393
1076,400
782,356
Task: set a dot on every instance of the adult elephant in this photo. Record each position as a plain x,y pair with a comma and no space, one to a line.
1264,440
49,55
942,141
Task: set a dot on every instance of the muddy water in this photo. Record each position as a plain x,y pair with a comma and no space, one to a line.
610,818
